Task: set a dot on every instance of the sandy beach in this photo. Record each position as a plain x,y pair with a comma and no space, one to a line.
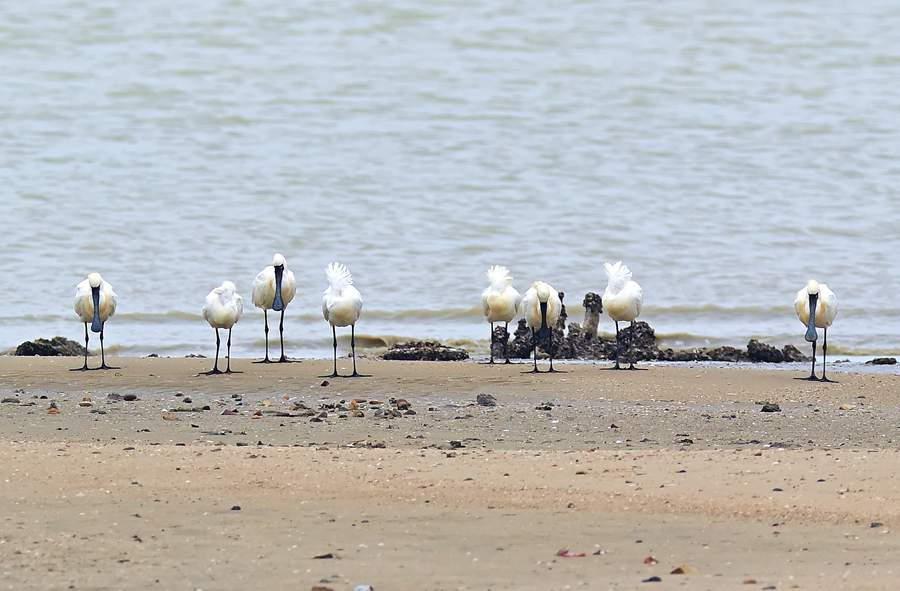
436,491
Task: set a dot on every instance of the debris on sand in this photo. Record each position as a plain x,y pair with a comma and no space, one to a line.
424,351
485,400
770,407
564,553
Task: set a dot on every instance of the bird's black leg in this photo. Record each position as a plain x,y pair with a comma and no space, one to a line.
266,318
283,358
492,344
812,375
506,343
334,374
102,352
533,350
355,373
215,370
228,366
825,358
86,340
618,349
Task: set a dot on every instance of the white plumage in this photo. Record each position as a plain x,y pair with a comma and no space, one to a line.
500,302
95,303
266,295
341,306
826,306
222,310
541,293
84,303
623,297
341,302
264,286
224,306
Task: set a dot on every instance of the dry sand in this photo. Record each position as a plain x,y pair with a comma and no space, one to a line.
677,463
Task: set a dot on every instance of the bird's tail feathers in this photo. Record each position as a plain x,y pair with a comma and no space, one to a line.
499,276
339,276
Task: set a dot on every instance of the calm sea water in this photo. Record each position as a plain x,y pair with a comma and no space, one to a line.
726,151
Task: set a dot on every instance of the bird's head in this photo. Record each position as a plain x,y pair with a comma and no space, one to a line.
543,291
229,286
278,260
812,287
94,280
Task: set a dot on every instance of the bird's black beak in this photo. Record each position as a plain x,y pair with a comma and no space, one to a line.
96,325
278,304
544,328
811,334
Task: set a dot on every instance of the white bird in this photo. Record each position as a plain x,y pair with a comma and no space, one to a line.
622,300
95,303
273,289
816,307
223,308
500,302
341,306
541,307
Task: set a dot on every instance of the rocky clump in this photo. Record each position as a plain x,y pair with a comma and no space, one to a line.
501,340
763,353
55,347
882,361
424,351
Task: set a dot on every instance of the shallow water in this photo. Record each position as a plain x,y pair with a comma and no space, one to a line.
726,152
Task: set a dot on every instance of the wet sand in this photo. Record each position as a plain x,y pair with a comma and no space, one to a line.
677,463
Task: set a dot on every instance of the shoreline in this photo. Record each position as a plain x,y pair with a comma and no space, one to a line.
410,480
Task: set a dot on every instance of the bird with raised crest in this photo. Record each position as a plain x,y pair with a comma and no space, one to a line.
622,300
500,302
341,307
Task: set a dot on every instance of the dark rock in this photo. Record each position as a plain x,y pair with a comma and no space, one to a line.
129,397
793,355
882,361
729,354
55,347
770,407
500,342
486,400
763,353
236,508
593,307
424,351
10,400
